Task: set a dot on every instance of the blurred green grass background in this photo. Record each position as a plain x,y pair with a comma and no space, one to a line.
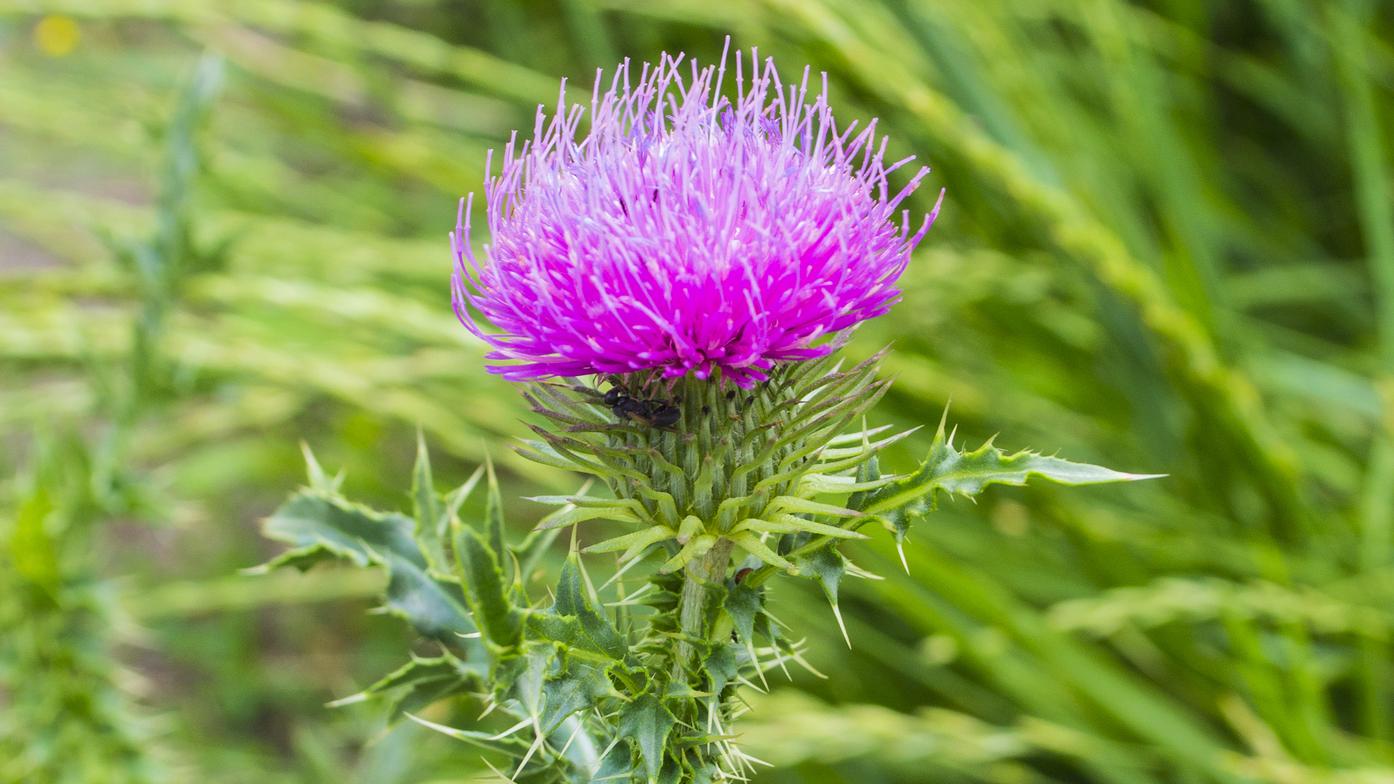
1167,246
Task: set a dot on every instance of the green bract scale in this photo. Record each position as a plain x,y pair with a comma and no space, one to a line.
734,464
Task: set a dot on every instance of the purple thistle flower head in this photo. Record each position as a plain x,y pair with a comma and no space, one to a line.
686,232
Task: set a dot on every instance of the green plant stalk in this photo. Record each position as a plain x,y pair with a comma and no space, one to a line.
700,576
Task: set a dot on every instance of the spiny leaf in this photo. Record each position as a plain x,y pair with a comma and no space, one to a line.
493,512
967,473
577,688
744,604
486,588
564,631
315,473
617,765
426,506
724,663
519,674
827,566
869,471
573,599
508,745
432,606
647,725
318,526
418,669
419,683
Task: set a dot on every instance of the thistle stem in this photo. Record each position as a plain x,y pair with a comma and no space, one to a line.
710,569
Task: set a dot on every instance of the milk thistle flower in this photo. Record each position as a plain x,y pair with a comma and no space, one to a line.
687,240
685,231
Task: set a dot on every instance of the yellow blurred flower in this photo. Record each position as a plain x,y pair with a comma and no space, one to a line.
56,35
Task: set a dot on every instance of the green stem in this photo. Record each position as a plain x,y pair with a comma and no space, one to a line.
694,605
710,569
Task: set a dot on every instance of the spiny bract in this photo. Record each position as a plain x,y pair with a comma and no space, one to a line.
686,231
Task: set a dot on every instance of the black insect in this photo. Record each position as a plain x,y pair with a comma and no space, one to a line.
654,413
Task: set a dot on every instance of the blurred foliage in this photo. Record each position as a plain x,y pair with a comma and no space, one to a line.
1167,246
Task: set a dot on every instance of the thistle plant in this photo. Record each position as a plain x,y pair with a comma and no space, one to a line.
670,288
